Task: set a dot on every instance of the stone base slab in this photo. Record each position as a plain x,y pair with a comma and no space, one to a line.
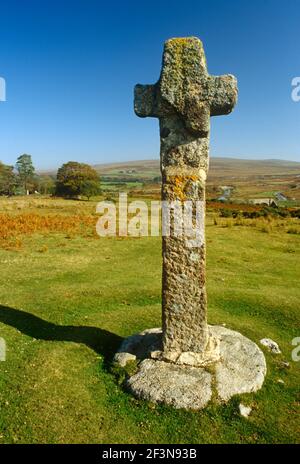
211,355
240,368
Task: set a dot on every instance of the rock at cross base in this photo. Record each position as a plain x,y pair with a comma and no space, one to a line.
271,345
245,411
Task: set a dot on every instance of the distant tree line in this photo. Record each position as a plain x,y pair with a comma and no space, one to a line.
73,180
124,179
18,179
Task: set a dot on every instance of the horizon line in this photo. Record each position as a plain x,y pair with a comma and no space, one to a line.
157,159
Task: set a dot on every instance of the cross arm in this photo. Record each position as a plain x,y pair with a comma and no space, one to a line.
223,93
145,101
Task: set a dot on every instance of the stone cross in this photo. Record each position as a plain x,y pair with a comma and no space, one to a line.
183,99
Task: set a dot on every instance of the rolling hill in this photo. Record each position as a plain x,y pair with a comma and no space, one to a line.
219,168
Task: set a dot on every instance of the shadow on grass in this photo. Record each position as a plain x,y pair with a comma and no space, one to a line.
101,341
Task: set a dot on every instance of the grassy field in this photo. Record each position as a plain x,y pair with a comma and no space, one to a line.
67,299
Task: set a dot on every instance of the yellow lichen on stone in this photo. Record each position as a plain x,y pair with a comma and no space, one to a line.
179,184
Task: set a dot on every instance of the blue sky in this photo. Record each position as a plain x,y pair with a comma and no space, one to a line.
70,69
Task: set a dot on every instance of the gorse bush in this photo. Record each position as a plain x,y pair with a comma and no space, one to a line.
295,213
266,211
293,230
15,226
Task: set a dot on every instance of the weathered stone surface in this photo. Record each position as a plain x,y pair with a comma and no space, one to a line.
241,369
271,345
123,358
139,346
210,355
183,99
162,382
245,411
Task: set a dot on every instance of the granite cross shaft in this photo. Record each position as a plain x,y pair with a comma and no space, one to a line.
183,99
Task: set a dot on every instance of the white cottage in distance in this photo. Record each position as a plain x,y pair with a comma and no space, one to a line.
263,201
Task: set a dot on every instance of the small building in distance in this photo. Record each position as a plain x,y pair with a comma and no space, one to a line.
264,201
280,197
226,193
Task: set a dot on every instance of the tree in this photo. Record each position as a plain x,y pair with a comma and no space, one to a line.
7,179
46,184
74,179
25,170
90,188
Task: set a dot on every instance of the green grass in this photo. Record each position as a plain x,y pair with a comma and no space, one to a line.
66,305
